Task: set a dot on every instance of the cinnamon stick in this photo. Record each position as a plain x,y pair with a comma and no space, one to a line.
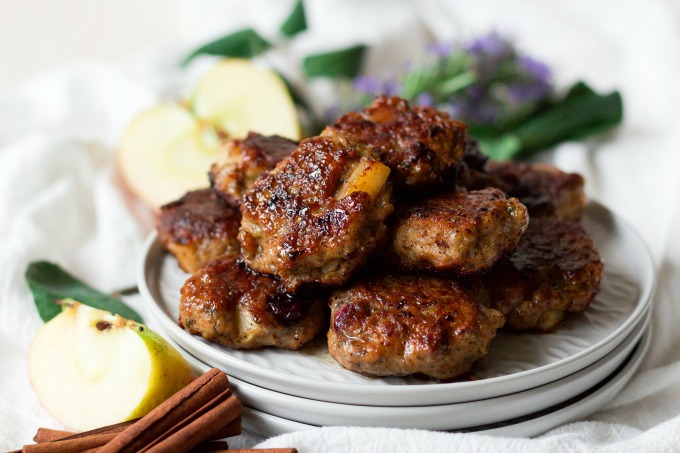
204,410
199,427
77,445
234,428
177,408
48,435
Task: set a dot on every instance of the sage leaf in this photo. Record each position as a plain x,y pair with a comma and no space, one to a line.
296,22
504,148
50,283
580,114
241,44
344,63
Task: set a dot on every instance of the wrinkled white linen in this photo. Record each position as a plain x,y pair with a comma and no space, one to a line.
60,200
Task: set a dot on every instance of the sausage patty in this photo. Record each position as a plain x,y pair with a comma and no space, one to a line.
401,325
421,145
300,223
555,269
240,162
197,227
227,303
462,232
544,189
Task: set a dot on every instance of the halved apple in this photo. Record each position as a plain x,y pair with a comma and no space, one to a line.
90,368
165,152
237,96
168,149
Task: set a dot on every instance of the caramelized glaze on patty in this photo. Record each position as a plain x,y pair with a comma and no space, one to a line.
405,324
555,269
197,227
226,303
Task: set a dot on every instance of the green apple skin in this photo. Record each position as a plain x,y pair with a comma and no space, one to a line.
90,368
172,372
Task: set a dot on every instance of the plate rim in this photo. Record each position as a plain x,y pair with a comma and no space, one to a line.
270,425
510,404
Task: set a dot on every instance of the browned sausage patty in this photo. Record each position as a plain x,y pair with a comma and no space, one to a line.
421,145
226,303
401,325
197,227
299,225
240,162
554,270
462,232
544,189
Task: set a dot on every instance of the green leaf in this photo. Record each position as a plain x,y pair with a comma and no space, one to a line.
581,113
504,148
577,116
344,63
241,44
49,283
296,22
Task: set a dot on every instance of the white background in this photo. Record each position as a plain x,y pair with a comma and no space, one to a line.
37,35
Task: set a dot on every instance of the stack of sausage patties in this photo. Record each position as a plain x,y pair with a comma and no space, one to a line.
394,221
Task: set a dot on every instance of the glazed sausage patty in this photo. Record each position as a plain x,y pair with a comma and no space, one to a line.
462,232
226,303
554,270
544,189
402,325
240,162
298,222
197,227
421,145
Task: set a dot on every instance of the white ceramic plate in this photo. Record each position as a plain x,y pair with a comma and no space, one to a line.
268,425
575,409
579,407
439,417
516,362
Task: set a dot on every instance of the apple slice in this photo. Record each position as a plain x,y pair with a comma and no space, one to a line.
165,152
90,368
237,96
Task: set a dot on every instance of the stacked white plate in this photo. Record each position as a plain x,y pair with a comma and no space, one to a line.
528,384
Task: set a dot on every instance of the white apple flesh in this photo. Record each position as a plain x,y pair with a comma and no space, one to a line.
237,96
168,149
165,152
90,368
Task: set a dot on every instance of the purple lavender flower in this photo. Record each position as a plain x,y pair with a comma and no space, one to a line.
533,80
529,91
369,85
484,112
484,82
439,49
536,68
491,45
425,99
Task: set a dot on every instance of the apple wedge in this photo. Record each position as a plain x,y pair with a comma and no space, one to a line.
168,149
165,152
90,368
237,96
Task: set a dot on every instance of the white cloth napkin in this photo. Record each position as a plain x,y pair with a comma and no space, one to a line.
60,199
